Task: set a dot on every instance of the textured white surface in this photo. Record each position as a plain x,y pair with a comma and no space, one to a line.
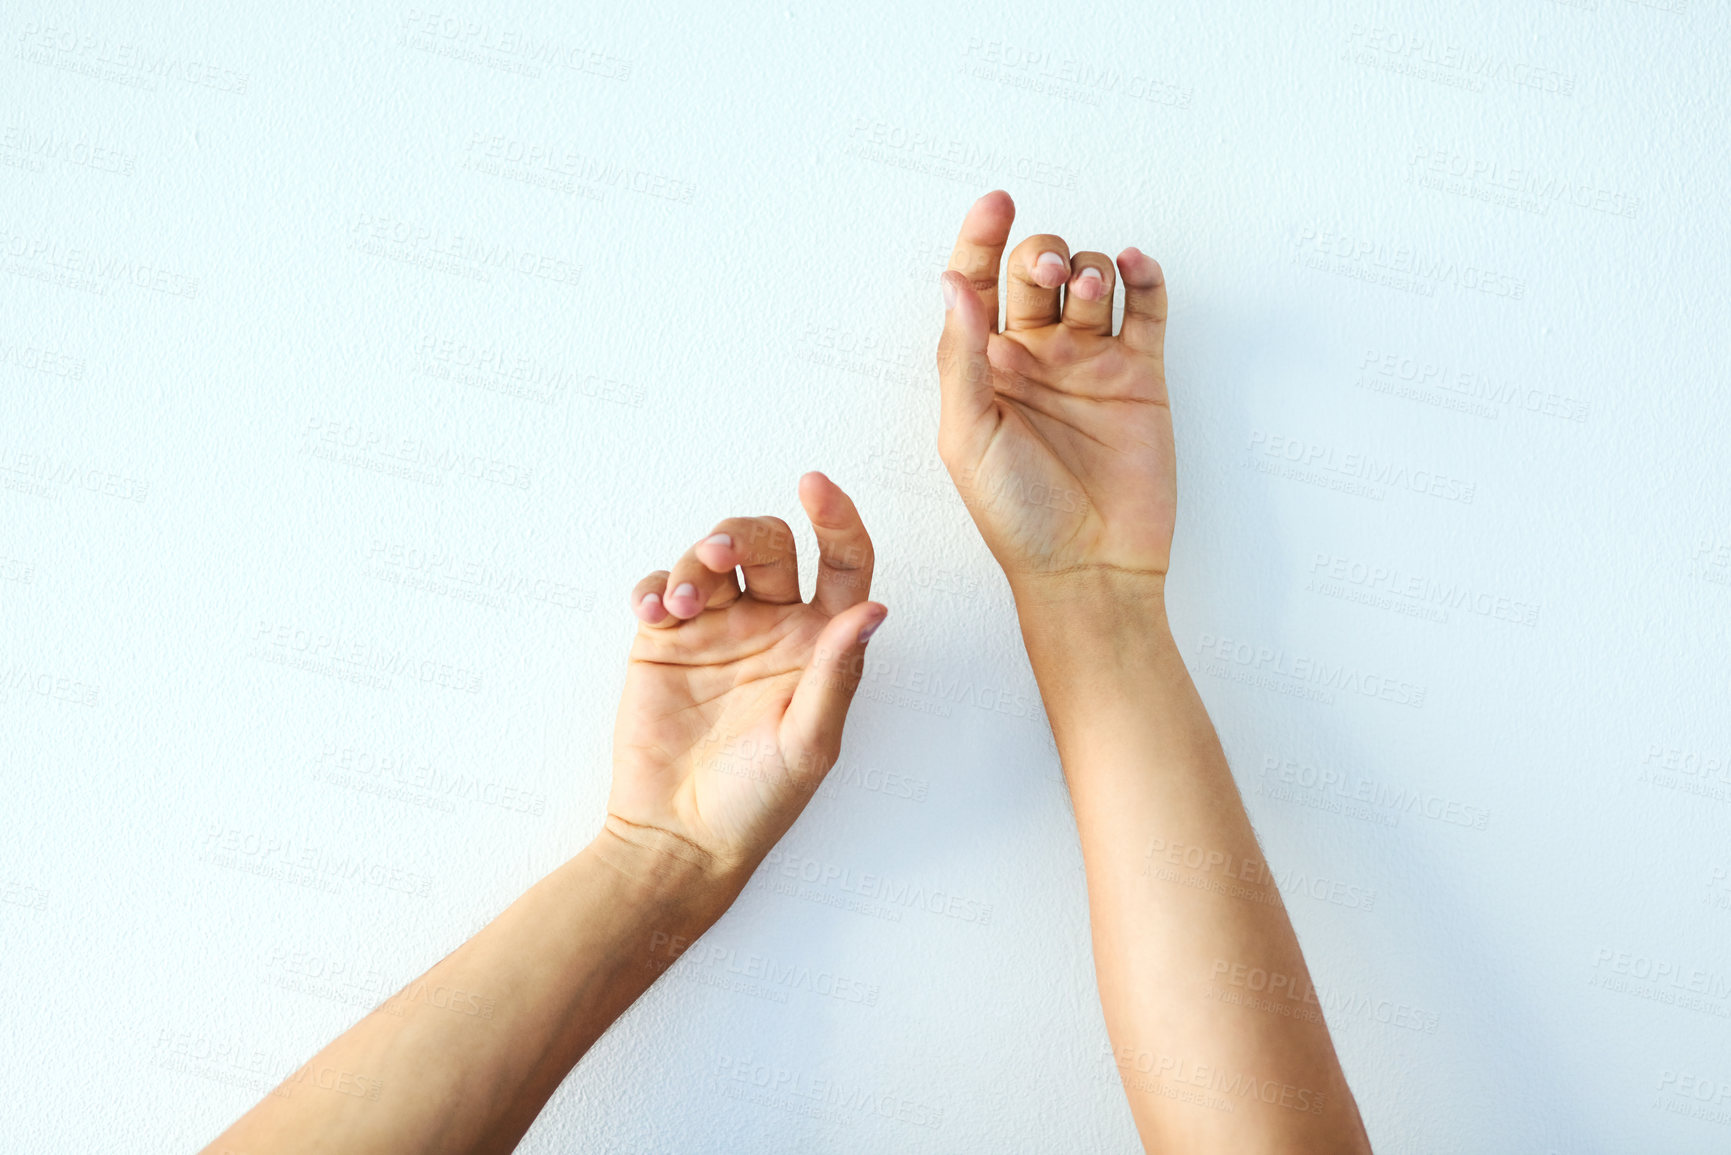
414,339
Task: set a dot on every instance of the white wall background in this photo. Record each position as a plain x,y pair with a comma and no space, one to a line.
415,337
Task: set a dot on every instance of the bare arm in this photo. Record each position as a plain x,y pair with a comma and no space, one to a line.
464,1058
732,714
1182,904
1059,437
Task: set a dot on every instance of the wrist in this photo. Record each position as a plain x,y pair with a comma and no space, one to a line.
1115,687
1089,603
1092,635
661,869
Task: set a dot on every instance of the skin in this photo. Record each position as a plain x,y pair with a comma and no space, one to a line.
1059,437
732,714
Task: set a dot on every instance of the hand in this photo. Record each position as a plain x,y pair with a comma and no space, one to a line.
1057,433
734,699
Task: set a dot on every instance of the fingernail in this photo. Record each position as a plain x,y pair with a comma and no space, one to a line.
1090,285
865,635
685,593
949,293
647,607
720,539
1051,270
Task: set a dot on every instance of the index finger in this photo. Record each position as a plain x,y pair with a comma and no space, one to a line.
979,251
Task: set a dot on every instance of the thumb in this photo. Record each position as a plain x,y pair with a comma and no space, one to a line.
964,374
811,728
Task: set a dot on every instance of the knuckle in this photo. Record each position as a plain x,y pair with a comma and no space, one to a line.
1142,311
760,532
978,265
847,555
771,540
975,263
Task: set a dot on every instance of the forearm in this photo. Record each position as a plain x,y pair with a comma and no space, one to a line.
1181,901
463,1059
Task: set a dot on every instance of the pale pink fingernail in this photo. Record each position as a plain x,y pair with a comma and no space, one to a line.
720,539
949,293
650,608
1090,285
865,635
1051,270
686,592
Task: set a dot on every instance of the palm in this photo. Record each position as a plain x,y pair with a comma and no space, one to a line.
1080,468
698,747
